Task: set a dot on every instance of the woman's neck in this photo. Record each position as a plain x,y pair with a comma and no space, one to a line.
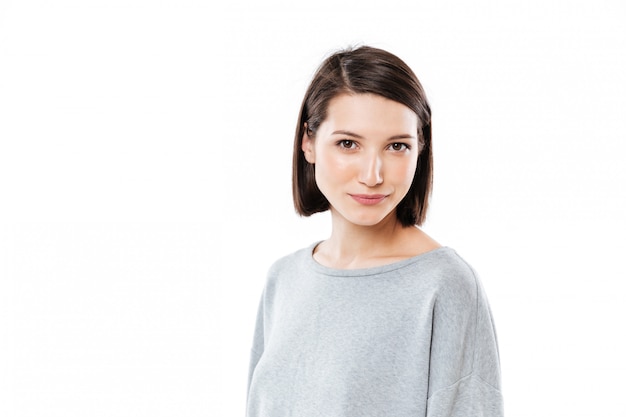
352,246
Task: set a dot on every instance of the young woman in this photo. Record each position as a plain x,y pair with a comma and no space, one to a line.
379,319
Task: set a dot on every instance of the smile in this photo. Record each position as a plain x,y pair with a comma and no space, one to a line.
368,199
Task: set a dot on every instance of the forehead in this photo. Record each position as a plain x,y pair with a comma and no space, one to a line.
370,112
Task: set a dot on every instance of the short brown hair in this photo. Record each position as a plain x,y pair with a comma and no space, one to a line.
360,71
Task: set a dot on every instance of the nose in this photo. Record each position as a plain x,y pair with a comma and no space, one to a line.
371,170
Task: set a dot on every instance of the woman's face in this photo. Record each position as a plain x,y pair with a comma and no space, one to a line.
365,155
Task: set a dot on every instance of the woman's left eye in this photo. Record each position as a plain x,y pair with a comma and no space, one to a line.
399,147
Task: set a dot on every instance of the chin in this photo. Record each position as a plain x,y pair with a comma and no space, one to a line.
368,216
366,220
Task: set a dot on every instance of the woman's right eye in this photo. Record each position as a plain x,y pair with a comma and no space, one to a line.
347,144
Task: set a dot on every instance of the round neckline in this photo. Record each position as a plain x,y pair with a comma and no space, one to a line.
373,270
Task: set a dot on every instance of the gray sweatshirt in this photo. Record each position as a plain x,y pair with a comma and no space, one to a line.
411,338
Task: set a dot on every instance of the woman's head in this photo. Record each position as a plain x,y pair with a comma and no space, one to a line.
373,71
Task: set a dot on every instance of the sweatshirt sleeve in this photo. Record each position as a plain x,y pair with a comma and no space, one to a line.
263,328
258,343
464,372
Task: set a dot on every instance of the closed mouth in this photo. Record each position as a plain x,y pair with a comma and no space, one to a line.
368,199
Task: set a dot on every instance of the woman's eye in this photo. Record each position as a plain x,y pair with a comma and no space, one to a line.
399,147
347,144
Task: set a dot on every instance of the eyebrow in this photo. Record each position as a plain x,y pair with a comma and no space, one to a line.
354,135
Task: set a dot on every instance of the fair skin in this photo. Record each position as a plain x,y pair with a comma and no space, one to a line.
365,154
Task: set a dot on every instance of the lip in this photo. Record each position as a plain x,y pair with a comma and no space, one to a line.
368,199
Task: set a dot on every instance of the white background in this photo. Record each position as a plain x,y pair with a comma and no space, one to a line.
145,189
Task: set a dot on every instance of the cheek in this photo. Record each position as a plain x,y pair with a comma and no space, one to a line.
333,167
404,171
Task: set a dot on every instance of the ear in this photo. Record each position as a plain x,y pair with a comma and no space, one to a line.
308,147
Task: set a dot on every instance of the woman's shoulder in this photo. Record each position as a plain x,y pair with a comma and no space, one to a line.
456,280
283,269
455,268
290,261
296,256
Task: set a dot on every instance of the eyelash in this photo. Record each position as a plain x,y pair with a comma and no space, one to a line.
404,145
348,144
